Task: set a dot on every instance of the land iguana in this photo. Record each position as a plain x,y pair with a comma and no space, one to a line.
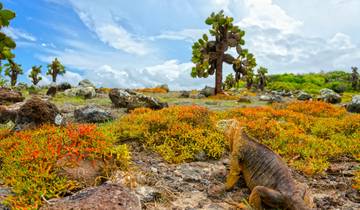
265,173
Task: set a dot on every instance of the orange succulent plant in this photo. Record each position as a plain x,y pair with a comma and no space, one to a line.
29,160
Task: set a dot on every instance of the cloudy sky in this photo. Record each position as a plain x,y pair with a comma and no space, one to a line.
142,43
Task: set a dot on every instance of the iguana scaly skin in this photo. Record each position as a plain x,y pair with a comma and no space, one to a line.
265,173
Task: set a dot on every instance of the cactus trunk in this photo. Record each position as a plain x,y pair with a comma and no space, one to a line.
54,78
218,75
13,78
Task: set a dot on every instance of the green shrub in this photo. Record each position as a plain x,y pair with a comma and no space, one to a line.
339,87
287,86
178,133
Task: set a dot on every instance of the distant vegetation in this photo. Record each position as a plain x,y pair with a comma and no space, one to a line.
339,81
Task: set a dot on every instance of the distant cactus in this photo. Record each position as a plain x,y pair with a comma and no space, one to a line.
208,56
249,78
354,78
229,82
55,69
261,78
35,74
244,65
13,70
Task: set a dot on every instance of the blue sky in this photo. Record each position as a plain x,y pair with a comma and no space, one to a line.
142,43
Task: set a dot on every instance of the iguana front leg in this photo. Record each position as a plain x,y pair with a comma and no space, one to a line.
262,195
232,178
234,174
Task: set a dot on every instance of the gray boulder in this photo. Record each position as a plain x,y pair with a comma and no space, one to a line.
147,193
244,99
9,113
184,94
86,92
276,99
198,96
271,98
329,96
265,98
63,86
131,100
282,93
92,114
106,196
35,112
303,96
354,105
8,96
86,83
208,91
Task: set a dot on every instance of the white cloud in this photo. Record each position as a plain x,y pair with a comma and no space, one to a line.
284,52
50,44
107,76
265,14
189,35
120,39
18,34
341,41
99,18
71,77
173,73
273,34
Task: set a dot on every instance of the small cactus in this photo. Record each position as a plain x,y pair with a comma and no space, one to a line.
13,70
35,74
354,78
55,69
261,77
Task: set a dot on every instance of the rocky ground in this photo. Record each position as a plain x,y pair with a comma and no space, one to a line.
185,186
160,185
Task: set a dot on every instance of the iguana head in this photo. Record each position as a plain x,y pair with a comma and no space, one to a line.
225,125
230,128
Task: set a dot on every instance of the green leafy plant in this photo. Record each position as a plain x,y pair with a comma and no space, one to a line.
6,43
209,55
55,69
